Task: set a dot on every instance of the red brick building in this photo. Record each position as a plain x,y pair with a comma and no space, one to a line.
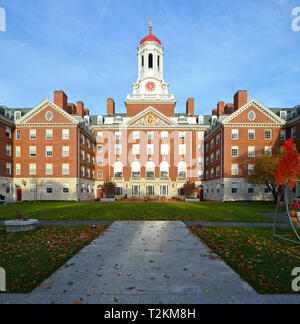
57,151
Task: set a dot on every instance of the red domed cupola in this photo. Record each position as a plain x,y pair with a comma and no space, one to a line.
150,37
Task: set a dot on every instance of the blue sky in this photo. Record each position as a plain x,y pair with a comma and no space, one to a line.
88,48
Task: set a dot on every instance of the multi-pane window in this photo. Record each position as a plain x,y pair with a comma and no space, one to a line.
49,151
251,151
18,169
207,160
251,134
251,169
136,136
268,134
119,191
212,158
212,173
65,151
88,158
150,149
235,134
66,188
18,134
32,169
65,169
207,175
234,188
217,171
164,149
65,134
99,137
150,135
283,135
100,148
100,174
49,188
218,155
8,168
206,148
49,169
164,135
99,161
88,173
234,151
118,149
293,132
218,140
235,169
182,149
49,134
118,136
212,144
82,155
8,150
136,149
88,143
32,151
268,151
251,190
8,132
32,134
150,191
200,162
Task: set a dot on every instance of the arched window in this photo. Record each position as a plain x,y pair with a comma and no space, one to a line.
136,170
150,63
164,170
143,63
182,170
150,170
158,63
118,170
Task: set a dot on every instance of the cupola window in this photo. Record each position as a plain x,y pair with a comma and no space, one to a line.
150,61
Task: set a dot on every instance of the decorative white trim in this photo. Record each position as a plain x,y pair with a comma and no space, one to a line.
266,111
46,125
40,107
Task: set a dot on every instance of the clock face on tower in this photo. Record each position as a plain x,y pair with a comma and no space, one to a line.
150,86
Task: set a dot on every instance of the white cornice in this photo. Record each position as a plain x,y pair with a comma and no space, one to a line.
40,107
265,110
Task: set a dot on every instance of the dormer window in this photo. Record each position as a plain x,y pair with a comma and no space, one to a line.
200,120
283,115
182,120
100,120
17,115
87,120
118,120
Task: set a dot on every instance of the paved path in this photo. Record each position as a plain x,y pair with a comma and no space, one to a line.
146,263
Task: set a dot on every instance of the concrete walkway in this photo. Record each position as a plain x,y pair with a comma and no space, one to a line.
146,263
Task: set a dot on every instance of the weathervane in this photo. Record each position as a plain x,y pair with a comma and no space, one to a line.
150,22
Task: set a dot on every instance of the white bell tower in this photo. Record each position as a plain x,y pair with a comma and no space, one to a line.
150,83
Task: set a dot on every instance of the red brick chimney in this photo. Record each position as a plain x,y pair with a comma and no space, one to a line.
240,99
86,112
221,108
190,107
61,100
110,107
229,109
80,108
215,112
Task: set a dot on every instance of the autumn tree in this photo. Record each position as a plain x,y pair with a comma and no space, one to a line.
189,189
109,189
37,184
264,174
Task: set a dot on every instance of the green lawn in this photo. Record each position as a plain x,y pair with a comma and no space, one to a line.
214,212
29,259
265,262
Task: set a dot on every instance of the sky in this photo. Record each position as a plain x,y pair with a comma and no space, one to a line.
88,48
